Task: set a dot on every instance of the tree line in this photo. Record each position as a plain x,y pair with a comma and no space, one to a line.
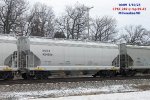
17,17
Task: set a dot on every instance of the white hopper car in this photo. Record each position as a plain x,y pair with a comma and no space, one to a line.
40,58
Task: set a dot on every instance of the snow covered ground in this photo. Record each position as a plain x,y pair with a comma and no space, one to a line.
92,90
143,95
64,93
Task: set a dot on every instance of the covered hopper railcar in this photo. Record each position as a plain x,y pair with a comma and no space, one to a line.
40,58
74,57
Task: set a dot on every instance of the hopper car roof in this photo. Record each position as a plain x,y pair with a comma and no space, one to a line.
38,40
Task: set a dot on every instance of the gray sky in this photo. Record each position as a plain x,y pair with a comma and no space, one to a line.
104,7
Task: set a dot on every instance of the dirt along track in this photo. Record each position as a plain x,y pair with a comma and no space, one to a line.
70,79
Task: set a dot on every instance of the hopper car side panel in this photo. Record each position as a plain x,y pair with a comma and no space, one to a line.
7,49
140,56
102,56
72,57
7,69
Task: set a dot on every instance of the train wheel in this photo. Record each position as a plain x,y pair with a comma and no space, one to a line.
128,72
27,76
123,72
111,73
94,75
24,76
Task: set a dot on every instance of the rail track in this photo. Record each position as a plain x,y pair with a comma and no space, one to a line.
70,79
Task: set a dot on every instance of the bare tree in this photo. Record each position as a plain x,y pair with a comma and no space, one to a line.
41,21
62,25
11,15
74,21
104,29
136,35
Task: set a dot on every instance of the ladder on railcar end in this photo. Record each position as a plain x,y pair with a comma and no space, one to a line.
14,59
23,51
22,61
124,59
123,62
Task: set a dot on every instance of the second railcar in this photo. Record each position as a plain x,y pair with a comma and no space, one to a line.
73,56
140,58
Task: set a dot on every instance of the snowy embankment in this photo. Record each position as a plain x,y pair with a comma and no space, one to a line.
64,92
67,90
144,95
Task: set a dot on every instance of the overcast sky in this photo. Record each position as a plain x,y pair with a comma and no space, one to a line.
104,7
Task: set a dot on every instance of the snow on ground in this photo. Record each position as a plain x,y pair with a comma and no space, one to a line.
69,92
143,95
66,89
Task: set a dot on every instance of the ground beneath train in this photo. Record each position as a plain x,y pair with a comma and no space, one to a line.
64,89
